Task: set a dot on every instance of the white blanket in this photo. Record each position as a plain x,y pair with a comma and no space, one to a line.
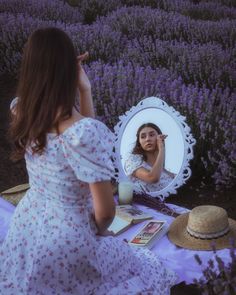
180,260
6,212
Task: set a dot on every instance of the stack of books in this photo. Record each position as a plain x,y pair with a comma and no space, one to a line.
151,232
126,215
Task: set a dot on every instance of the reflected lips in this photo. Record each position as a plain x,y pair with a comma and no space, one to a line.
148,145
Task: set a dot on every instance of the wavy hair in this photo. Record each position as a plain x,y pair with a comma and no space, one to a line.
46,89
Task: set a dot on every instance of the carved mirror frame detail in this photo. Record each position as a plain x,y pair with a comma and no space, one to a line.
189,142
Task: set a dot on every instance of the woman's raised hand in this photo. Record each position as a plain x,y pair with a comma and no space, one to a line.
84,87
160,140
84,84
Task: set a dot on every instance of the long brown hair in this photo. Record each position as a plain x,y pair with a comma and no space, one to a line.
47,85
137,148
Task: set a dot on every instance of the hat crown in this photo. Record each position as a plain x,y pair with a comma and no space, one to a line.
202,228
208,219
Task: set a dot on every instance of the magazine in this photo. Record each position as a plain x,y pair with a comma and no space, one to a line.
150,233
126,215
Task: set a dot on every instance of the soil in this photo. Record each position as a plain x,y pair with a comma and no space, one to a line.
189,195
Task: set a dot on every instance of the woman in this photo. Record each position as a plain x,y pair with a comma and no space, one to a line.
55,243
145,166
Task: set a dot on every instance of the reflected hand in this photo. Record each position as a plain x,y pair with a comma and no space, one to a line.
83,80
160,140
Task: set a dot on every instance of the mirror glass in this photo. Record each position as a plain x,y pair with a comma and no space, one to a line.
178,145
174,144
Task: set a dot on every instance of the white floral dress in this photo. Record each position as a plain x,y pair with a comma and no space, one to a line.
52,246
133,163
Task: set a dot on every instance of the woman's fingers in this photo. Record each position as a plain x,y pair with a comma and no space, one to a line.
83,57
80,59
160,139
162,136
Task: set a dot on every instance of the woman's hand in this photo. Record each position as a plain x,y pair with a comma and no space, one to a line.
160,140
84,89
154,175
84,84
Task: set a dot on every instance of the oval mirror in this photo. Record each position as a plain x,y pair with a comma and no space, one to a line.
178,146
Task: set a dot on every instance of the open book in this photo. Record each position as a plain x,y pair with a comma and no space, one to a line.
126,215
150,233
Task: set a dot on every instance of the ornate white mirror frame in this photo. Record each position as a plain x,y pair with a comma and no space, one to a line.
178,145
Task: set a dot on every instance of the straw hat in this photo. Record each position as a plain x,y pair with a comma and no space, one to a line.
202,227
15,194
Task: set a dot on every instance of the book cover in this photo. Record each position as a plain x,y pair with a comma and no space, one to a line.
126,215
150,233
131,213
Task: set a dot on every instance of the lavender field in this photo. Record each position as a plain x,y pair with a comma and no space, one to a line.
180,50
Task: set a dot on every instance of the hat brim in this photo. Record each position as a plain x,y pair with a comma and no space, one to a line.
179,236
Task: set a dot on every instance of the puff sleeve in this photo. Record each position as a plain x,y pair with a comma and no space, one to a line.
133,163
13,104
88,149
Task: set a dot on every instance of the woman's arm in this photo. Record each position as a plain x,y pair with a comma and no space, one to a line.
103,203
84,89
153,175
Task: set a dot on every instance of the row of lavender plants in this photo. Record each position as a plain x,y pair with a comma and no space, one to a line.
196,9
159,24
100,40
219,277
143,22
137,52
206,63
43,9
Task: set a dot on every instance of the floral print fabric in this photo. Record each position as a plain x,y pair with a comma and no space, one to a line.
52,247
133,163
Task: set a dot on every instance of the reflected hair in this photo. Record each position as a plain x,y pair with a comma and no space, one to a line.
47,85
138,150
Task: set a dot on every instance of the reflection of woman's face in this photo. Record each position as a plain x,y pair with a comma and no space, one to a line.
148,139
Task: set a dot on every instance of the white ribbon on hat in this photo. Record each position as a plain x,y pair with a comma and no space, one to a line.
207,236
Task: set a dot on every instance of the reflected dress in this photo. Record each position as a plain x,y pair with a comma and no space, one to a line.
136,161
52,247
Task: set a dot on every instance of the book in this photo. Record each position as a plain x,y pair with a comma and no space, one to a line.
150,233
126,215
